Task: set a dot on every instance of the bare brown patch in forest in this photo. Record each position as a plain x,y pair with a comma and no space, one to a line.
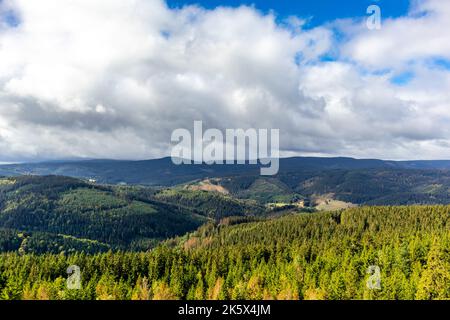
207,185
327,202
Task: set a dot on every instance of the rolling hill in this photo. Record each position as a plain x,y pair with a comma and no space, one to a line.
62,214
347,180
53,213
162,172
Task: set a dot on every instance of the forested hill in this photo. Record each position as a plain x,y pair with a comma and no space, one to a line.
320,256
164,173
55,214
59,214
361,182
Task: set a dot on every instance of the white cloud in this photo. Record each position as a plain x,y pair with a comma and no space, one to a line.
113,78
402,41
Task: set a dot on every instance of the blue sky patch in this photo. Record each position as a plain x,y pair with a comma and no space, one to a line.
403,78
320,11
440,63
10,18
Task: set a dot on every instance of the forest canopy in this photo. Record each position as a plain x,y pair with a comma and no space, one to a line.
299,256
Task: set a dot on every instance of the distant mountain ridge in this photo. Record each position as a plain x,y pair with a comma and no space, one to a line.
163,172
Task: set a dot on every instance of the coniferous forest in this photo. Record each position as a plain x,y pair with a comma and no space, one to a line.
328,255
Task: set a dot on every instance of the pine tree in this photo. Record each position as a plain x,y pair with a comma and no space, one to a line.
435,280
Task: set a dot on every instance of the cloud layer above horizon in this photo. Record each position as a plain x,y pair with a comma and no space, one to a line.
114,78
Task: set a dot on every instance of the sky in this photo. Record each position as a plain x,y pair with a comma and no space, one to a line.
114,78
317,12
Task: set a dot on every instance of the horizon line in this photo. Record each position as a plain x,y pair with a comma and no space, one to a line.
6,163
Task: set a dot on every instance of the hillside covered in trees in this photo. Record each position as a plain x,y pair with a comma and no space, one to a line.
358,181
299,256
380,186
58,214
